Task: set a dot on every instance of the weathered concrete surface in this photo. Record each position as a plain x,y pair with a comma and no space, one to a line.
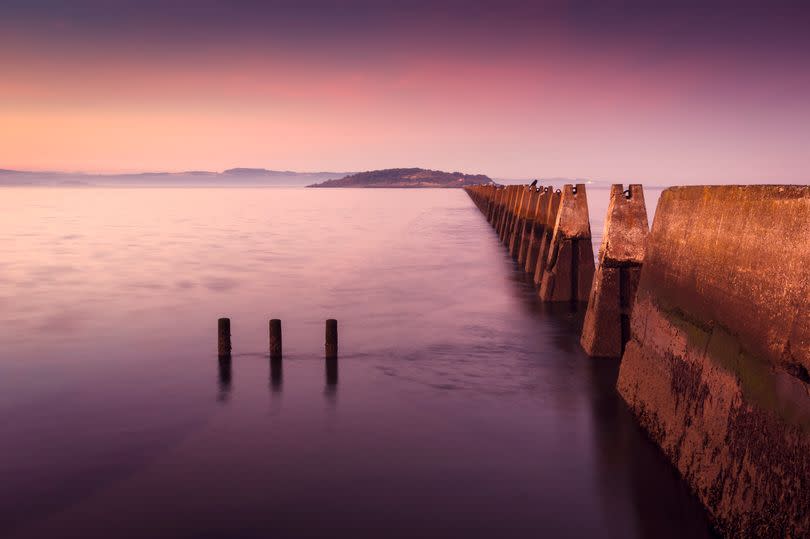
520,221
548,233
512,215
607,319
480,196
487,195
506,212
500,202
569,269
528,225
716,369
520,217
537,228
496,209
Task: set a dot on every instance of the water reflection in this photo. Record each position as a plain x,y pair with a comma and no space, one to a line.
638,487
478,372
275,375
331,380
225,375
639,493
564,319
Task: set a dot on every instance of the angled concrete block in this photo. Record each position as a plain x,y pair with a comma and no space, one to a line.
621,255
569,269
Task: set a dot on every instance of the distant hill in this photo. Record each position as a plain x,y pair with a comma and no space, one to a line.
234,177
406,177
265,173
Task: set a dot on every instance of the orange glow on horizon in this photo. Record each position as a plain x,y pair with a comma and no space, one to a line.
600,113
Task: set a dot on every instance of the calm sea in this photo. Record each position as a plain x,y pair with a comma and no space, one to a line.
460,406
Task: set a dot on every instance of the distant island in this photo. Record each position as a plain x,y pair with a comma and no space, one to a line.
406,178
247,177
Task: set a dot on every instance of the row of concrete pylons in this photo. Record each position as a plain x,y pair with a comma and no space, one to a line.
548,232
715,359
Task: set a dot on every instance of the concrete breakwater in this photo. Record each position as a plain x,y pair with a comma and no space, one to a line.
548,232
710,313
716,369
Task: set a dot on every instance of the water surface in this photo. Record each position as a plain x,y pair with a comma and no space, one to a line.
460,406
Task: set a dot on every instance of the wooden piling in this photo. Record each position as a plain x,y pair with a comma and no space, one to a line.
224,343
275,339
331,347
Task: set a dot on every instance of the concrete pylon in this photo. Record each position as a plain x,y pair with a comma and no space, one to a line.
528,226
607,320
496,207
520,220
536,228
493,198
552,209
505,211
510,232
506,233
569,269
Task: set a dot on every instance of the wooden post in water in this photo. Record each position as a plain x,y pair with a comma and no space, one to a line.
224,331
275,338
331,339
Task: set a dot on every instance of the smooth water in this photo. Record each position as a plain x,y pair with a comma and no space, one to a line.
460,406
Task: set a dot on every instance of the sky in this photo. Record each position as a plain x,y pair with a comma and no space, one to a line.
676,92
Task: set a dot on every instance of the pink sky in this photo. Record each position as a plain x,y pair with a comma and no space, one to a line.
509,102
